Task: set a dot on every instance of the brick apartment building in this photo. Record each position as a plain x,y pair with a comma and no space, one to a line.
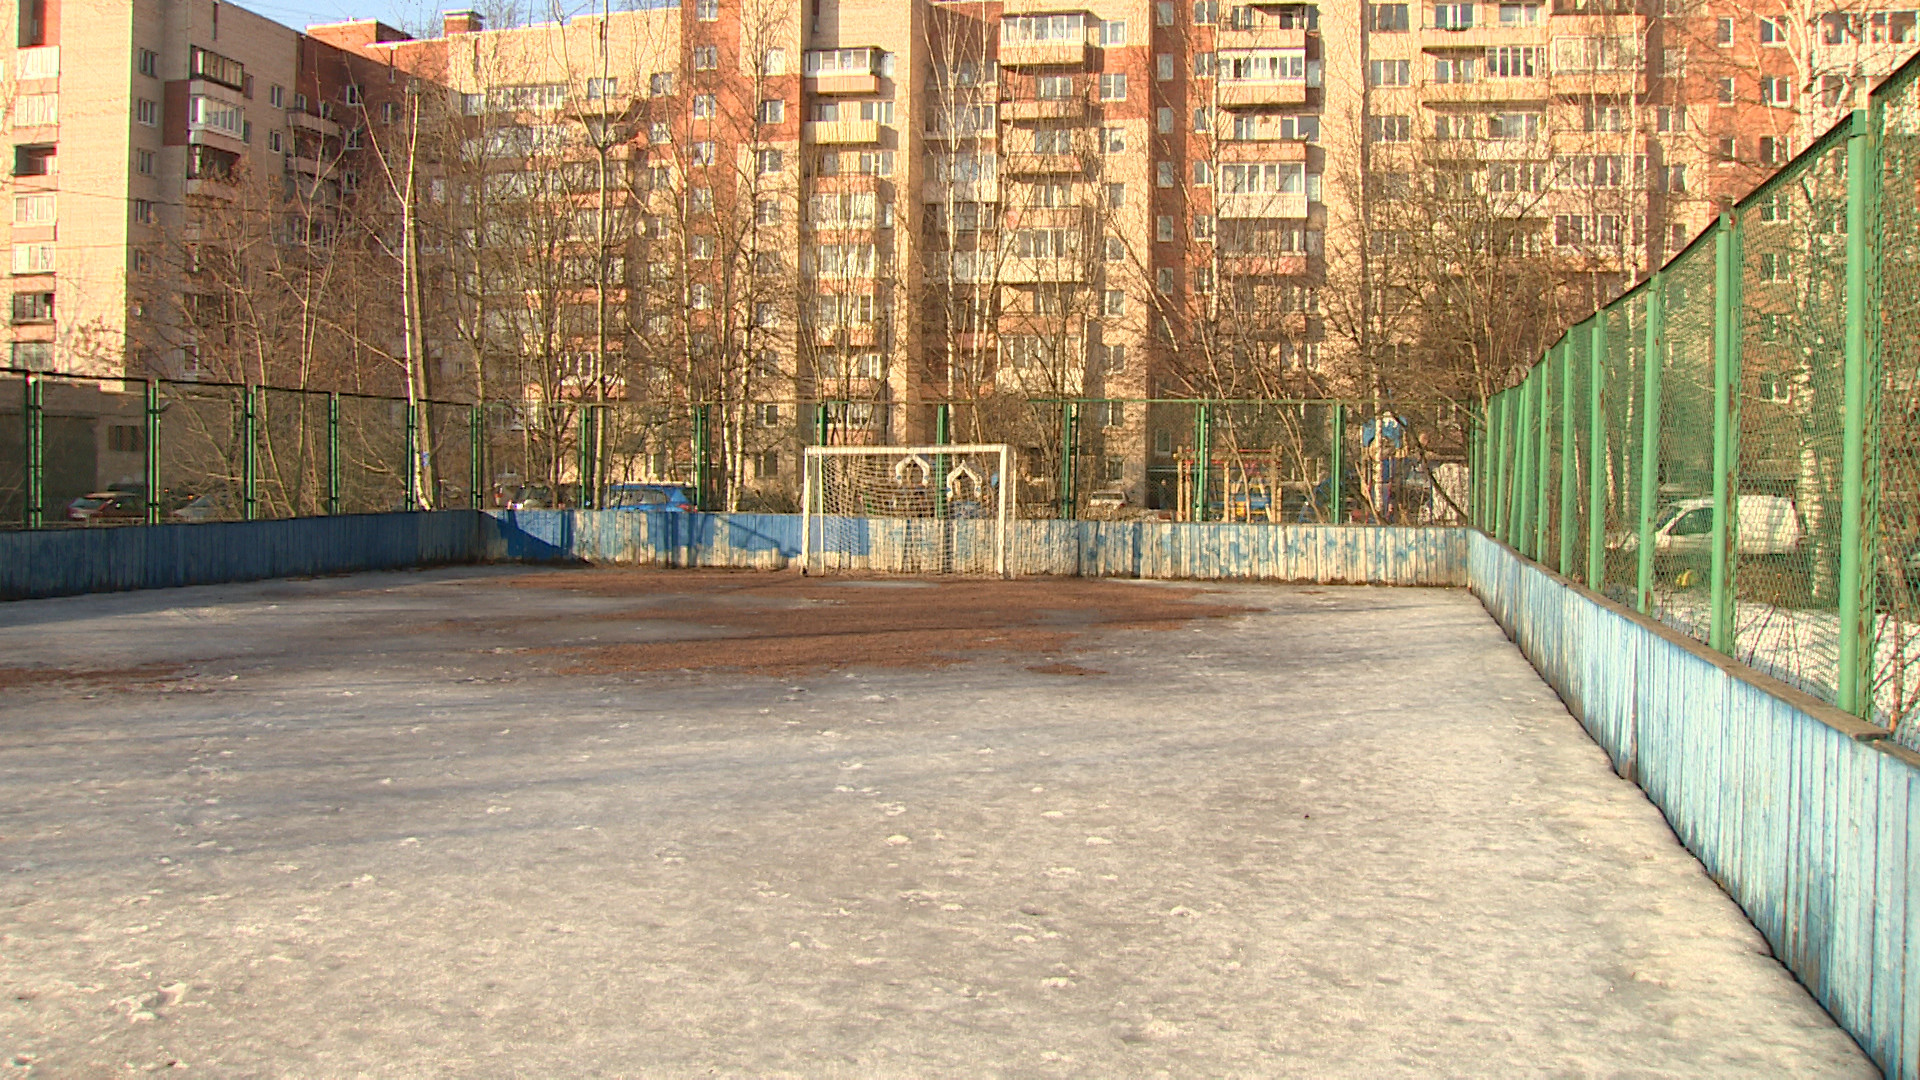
881,202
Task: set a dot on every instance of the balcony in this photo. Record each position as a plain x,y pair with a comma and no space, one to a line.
1043,164
859,335
1242,95
302,120
940,191
1485,91
1617,83
841,132
1042,271
1073,108
1044,53
1265,264
304,165
1481,37
42,62
1275,149
1270,36
842,82
1263,204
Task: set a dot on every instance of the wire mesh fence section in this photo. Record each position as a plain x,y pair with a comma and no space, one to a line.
1895,573
934,510
1787,508
1682,534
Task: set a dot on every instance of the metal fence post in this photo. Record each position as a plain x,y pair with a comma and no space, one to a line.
249,454
1521,525
1569,458
1858,552
1201,452
1726,429
413,456
33,433
333,453
1543,457
942,436
1597,461
1656,332
1337,485
476,452
1069,439
1502,465
701,476
151,452
820,425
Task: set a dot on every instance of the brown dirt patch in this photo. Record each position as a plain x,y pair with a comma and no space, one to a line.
785,625
1064,669
18,678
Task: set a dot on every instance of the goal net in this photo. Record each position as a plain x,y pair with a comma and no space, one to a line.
907,509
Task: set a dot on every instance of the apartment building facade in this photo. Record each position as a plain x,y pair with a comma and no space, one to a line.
879,204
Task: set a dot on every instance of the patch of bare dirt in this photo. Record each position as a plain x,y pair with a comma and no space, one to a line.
786,625
127,678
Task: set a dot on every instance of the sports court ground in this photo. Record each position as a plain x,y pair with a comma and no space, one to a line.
553,823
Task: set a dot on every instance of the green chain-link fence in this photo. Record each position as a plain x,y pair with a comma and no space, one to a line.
1731,445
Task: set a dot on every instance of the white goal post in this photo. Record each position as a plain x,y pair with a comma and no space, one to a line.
907,509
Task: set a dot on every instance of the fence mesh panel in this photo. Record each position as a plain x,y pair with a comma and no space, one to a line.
201,449
1896,571
1683,524
373,455
1787,509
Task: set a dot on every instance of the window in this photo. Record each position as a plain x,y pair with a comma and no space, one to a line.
1113,140
1519,14
1163,66
1115,360
1388,129
1202,120
1513,62
1030,29
1116,196
1522,127
38,110
1114,302
1775,91
1776,210
33,355
143,160
389,112
705,106
1598,117
700,200
1389,19
660,83
1167,280
32,307
1202,172
1774,266
773,111
701,153
36,209
1671,119
353,139
1773,30
143,211
1113,32
1163,120
1163,228
768,162
1674,178
351,94
707,10
1729,149
658,133
149,63
602,89
1673,62
1454,69
1204,65
1723,32
1113,87
766,212
699,247
33,258
1389,72
765,314
1726,91
776,62
216,68
276,97
1206,12
1203,226
210,113
1452,126
1772,151
1453,16
1163,13
706,57
1053,87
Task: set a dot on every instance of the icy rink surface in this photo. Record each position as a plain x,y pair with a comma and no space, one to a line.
466,823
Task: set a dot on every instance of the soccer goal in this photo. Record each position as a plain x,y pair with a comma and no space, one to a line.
907,509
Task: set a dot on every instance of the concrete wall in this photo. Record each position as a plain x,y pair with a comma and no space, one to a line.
1801,812
1149,549
66,562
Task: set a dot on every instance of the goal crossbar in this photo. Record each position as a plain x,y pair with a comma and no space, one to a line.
923,525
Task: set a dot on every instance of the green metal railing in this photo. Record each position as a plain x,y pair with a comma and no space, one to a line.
1731,446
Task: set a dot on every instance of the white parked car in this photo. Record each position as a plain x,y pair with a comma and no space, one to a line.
1769,525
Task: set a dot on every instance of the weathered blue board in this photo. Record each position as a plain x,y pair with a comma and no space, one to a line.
1801,812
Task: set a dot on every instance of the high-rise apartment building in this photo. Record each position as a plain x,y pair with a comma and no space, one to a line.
875,203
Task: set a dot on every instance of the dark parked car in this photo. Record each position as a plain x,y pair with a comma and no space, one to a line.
108,507
669,498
